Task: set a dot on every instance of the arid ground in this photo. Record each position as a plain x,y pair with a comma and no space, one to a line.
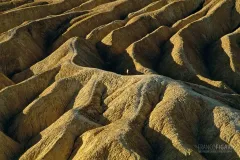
120,79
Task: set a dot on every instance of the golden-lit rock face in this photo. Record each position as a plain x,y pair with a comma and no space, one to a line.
119,79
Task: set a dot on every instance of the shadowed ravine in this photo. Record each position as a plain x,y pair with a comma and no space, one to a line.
119,79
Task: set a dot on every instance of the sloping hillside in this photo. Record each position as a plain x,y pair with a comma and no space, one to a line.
119,79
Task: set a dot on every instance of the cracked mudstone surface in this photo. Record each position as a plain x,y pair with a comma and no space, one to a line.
119,79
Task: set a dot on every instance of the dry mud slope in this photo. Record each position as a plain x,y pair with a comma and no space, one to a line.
119,79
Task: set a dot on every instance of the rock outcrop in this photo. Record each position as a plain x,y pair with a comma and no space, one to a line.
119,79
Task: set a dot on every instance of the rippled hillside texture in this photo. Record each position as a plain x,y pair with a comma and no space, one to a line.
120,79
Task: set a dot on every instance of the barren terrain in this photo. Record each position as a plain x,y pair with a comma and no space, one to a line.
119,79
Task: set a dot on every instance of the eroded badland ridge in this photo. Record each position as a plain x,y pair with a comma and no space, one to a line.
119,79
